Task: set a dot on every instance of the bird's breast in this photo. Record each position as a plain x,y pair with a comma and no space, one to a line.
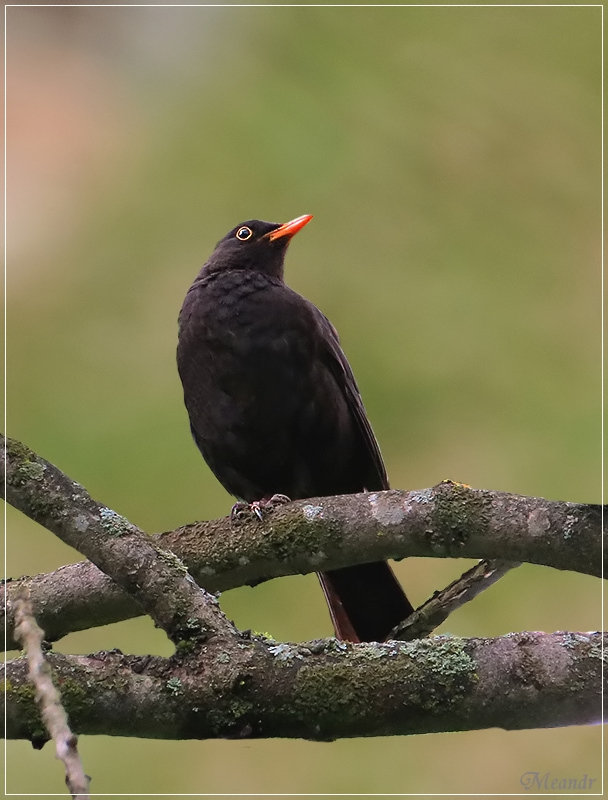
243,337
248,315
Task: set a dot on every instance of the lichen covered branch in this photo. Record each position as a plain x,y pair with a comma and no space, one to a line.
223,683
436,609
153,577
449,520
325,690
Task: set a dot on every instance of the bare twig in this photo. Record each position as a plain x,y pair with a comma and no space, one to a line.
436,609
48,698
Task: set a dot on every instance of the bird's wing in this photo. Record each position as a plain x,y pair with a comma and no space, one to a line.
337,363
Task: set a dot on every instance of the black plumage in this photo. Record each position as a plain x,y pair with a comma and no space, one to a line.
274,407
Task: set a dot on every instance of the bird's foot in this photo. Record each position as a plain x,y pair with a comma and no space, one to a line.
241,510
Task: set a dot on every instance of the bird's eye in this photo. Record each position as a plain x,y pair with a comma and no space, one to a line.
244,233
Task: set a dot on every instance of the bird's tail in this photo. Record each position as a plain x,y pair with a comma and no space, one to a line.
365,602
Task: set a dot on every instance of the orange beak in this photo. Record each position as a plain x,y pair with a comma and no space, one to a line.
289,228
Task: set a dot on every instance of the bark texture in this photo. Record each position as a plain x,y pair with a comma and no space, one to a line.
450,520
324,690
225,683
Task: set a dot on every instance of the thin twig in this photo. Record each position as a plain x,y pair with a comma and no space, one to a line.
437,608
48,698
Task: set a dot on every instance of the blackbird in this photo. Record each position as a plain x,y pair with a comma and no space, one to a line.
274,407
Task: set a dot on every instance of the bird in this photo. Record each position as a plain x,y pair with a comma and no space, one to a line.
274,407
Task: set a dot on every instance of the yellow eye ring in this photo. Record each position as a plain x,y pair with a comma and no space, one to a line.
244,233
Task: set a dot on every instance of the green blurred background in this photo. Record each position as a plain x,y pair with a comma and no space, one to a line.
451,157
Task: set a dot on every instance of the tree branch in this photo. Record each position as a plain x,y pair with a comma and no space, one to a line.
223,683
155,578
437,609
449,520
325,690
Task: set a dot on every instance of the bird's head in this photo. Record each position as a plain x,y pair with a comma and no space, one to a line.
256,245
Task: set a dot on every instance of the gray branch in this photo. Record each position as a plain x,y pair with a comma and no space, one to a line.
155,579
449,520
224,683
325,690
436,610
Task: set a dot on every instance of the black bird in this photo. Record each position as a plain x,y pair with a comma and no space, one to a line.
274,407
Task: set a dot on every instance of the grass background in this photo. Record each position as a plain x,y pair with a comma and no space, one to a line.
451,157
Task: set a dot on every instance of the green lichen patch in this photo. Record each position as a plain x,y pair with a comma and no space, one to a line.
232,719
443,655
458,512
174,686
184,647
372,651
223,657
354,691
190,630
263,636
294,535
17,451
24,463
24,695
29,470
335,690
114,524
172,560
24,691
188,635
74,695
46,505
285,653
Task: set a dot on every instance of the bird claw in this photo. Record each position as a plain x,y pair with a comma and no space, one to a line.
241,510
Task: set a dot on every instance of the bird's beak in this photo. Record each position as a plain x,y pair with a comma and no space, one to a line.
290,228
